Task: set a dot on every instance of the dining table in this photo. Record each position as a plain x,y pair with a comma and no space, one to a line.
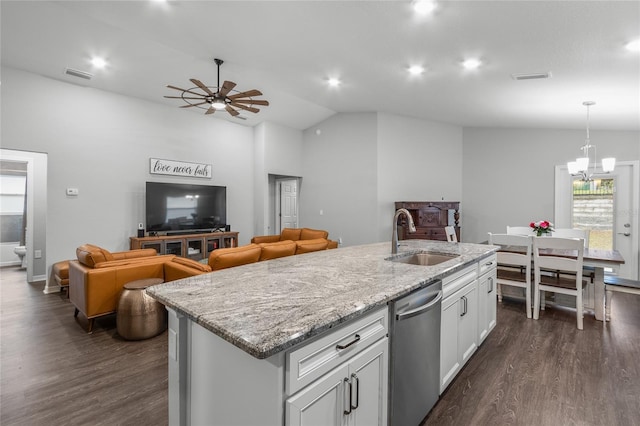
599,260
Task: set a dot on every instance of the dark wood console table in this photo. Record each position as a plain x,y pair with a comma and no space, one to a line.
430,218
193,246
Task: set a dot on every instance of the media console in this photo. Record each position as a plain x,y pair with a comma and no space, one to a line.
195,246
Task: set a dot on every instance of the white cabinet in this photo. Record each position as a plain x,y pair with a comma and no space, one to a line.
341,378
459,326
487,299
353,394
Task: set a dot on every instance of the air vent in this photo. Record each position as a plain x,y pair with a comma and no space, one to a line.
532,76
78,73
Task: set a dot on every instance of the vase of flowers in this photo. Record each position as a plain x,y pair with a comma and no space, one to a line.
542,227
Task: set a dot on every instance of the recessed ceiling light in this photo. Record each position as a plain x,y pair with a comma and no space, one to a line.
333,82
424,7
98,62
416,69
471,63
633,46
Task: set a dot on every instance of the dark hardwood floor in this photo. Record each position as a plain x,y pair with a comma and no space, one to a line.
53,373
527,372
547,372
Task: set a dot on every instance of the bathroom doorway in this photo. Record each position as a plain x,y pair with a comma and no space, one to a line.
13,205
34,209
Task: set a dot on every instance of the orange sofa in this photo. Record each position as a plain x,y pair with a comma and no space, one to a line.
97,277
256,252
296,234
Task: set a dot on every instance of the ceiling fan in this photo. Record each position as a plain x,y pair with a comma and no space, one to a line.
219,97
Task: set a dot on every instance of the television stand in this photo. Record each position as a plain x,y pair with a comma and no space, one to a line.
196,245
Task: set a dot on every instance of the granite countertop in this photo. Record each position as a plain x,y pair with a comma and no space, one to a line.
267,307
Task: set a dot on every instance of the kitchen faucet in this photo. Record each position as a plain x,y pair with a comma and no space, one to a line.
394,237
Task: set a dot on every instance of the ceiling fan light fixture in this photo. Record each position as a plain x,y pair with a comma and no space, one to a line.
217,98
218,103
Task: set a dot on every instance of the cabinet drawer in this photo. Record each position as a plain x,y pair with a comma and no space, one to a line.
438,234
309,362
457,280
485,265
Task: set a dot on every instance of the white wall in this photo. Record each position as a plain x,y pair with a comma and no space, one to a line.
508,174
360,164
340,178
278,152
418,160
101,142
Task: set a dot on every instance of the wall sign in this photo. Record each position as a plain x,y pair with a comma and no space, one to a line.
159,166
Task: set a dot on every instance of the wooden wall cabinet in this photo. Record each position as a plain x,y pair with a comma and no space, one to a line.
430,218
193,246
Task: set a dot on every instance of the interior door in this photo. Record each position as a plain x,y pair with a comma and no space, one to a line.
288,205
625,219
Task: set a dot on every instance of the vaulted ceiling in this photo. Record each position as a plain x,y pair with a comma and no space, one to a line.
289,50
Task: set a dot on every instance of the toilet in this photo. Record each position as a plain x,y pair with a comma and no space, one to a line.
21,251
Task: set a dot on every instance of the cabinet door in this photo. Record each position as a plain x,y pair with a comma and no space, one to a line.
322,402
468,322
449,362
486,305
368,373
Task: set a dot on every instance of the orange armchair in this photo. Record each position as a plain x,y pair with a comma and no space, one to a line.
97,277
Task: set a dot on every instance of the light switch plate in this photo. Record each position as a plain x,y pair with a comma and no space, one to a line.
73,192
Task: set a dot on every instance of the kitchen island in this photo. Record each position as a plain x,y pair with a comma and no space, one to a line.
234,334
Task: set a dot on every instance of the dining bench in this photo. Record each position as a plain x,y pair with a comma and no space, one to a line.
615,283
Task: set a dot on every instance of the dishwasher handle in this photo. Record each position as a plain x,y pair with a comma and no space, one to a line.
420,309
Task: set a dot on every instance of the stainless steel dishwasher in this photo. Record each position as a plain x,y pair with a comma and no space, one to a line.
415,355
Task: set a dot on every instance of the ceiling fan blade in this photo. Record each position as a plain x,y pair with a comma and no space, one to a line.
192,105
211,110
248,93
202,86
226,88
184,97
244,107
231,111
184,90
252,101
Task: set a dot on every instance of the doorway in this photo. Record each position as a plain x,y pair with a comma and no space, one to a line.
607,206
286,203
35,210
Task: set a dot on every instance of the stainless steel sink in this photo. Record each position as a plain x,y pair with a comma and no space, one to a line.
424,258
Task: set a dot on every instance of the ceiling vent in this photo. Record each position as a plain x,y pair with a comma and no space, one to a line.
78,73
532,76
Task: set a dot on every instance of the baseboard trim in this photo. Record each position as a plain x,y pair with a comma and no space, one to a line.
51,288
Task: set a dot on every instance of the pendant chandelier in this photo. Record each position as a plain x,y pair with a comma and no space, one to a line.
581,166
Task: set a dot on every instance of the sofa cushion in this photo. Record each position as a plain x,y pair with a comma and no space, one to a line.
308,246
292,234
265,239
91,255
61,272
312,234
236,256
191,263
276,250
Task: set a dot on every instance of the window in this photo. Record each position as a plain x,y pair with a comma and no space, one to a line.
592,210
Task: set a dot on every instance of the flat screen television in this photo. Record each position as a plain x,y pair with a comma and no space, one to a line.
178,208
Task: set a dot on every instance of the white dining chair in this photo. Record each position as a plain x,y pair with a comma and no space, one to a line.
572,233
558,274
519,230
514,269
451,234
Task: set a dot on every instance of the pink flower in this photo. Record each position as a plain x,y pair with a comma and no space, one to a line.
532,225
544,224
